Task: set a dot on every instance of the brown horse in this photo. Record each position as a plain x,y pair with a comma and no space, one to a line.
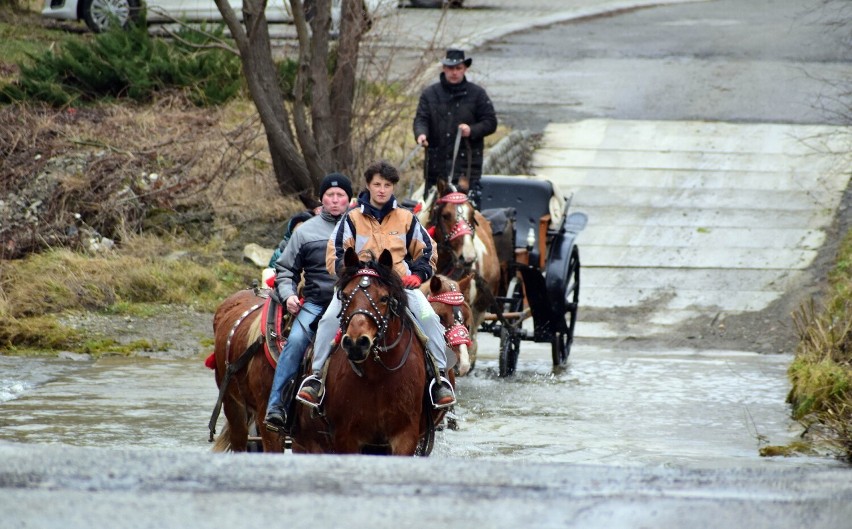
447,299
375,399
238,338
466,245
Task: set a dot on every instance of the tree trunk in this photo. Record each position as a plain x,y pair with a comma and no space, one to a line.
353,24
317,137
305,131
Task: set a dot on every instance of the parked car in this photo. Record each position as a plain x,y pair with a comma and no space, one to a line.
98,14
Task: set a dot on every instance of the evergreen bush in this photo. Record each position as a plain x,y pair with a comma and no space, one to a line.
129,63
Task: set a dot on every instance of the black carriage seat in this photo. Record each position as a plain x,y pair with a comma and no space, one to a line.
529,197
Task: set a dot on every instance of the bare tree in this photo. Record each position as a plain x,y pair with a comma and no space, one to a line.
313,136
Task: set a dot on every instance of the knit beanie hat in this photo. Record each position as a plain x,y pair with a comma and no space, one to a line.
336,180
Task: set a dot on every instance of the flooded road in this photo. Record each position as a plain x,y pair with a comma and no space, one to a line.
681,408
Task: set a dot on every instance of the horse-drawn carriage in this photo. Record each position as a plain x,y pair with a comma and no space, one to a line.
525,259
542,279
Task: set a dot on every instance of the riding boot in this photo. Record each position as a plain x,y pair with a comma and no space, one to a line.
309,392
443,395
276,410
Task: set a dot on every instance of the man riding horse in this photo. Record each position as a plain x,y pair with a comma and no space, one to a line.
379,223
304,258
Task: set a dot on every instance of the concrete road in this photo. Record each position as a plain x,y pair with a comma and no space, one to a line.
72,488
707,143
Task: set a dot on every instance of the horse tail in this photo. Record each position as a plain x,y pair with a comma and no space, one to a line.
223,440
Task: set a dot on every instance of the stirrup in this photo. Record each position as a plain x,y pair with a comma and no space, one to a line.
320,393
432,397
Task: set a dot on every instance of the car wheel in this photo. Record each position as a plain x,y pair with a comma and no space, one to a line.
100,14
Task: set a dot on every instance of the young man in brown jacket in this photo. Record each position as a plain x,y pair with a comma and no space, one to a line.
379,223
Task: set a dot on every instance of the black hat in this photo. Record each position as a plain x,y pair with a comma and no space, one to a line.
336,180
455,57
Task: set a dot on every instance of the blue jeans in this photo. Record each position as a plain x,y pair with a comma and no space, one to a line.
291,356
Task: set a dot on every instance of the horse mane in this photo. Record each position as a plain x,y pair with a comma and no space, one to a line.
387,276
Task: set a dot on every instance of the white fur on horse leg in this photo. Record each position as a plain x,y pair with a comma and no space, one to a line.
464,361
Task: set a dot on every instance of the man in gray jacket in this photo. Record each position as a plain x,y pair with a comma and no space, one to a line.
304,258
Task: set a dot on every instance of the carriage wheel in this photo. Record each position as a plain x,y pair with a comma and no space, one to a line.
514,295
426,443
510,345
561,342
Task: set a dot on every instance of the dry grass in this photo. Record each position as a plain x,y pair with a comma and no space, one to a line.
164,168
146,270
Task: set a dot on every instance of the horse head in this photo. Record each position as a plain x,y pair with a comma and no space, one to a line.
447,299
373,298
455,226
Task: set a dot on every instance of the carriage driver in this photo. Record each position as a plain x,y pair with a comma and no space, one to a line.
379,223
304,257
450,107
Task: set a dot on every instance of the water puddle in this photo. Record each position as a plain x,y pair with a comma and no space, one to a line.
681,408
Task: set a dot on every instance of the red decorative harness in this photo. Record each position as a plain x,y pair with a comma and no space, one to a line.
367,272
458,334
448,298
462,226
453,198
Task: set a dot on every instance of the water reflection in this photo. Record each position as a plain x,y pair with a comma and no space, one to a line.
117,402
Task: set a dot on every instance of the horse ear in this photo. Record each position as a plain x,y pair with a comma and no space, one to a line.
440,187
386,259
435,285
350,257
464,183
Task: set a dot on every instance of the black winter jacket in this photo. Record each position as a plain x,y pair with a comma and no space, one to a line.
441,109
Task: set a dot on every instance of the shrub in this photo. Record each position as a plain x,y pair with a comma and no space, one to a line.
821,373
129,63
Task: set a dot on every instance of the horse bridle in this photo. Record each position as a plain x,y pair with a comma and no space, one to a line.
382,321
458,333
461,228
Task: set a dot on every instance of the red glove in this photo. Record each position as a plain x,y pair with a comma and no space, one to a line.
411,281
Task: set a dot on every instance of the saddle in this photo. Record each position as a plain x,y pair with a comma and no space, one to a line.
275,327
